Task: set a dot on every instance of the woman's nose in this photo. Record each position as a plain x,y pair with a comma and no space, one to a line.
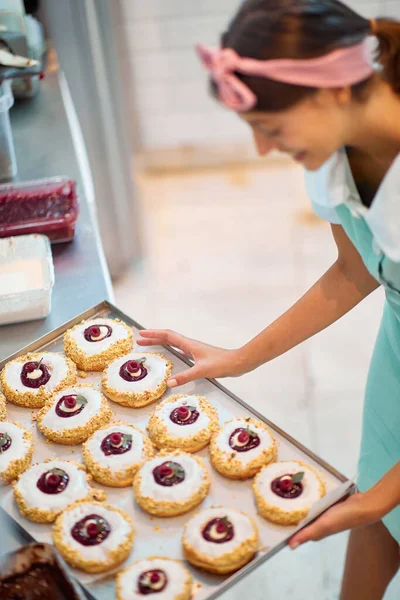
263,143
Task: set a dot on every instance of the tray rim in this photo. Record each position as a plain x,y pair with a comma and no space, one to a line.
53,335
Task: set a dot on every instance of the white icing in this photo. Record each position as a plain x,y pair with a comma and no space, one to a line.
243,530
55,362
52,421
175,572
117,462
164,410
194,478
310,483
19,446
77,487
155,365
91,348
222,440
120,529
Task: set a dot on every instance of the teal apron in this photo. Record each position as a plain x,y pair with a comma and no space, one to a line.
380,446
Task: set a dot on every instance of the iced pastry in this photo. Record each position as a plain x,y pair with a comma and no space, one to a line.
115,452
16,450
241,448
164,578
171,484
72,415
46,489
183,422
136,379
286,490
93,344
93,537
220,540
31,379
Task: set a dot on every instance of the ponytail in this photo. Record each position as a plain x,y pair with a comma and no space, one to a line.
387,32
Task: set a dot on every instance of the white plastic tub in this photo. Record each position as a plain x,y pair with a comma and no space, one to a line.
26,278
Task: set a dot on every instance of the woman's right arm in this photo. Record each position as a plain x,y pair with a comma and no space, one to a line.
342,287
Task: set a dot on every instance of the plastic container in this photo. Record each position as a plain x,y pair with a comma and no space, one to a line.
45,206
26,278
8,162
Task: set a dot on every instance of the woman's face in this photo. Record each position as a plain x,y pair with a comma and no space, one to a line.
310,132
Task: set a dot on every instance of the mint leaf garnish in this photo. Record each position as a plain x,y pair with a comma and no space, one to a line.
177,469
4,439
298,477
251,433
58,472
81,400
225,521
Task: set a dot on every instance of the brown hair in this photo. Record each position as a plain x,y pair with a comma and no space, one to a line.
268,29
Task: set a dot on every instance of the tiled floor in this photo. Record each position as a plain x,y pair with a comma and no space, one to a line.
225,253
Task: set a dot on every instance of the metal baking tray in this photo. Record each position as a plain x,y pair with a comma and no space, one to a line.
157,536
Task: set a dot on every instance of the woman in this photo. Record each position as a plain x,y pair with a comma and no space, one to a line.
299,73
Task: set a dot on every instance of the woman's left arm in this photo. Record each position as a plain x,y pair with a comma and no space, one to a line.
358,510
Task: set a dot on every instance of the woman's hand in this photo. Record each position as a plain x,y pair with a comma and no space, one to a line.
356,511
209,361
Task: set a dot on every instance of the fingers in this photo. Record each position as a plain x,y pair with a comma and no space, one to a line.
185,377
152,337
151,342
332,521
162,337
311,533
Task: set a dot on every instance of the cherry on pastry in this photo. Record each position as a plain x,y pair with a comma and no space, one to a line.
115,439
152,581
70,402
286,484
133,370
94,333
92,529
183,412
165,471
221,527
243,437
53,480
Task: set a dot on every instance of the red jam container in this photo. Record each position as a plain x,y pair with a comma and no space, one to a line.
46,206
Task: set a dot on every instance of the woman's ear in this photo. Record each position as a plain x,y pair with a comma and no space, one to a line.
327,97
343,96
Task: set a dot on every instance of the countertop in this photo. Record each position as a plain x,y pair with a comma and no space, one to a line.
44,148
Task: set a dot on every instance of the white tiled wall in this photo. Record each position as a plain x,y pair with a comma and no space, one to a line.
174,107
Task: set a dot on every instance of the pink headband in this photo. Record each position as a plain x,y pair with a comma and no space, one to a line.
346,66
